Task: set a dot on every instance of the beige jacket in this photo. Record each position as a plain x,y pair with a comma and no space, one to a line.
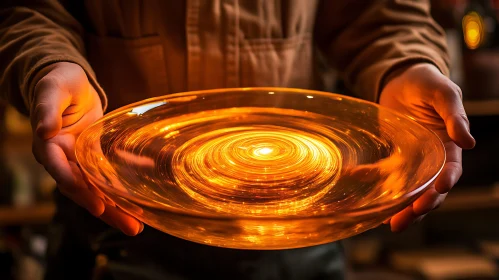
133,49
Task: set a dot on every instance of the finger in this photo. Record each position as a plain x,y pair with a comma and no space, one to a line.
80,194
49,104
430,200
89,184
53,158
68,178
113,215
449,106
452,169
95,190
67,144
103,165
84,198
403,219
122,221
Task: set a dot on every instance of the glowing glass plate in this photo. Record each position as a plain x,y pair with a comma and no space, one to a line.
259,168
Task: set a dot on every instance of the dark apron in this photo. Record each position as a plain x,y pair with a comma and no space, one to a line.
77,239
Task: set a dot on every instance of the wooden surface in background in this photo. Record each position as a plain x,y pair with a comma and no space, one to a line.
16,216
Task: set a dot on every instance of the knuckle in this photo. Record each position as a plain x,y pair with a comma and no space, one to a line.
449,93
452,90
51,80
458,168
457,116
45,88
465,118
38,110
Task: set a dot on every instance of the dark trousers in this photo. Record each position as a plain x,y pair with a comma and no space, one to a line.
77,239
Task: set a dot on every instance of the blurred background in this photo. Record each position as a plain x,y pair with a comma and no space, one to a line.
460,240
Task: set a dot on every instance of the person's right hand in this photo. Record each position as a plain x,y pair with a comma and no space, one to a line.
64,104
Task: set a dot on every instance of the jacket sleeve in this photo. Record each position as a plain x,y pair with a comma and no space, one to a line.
34,34
368,40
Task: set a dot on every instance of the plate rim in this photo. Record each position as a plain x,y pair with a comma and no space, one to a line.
413,195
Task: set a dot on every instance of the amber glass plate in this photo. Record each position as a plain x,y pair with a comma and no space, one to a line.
259,168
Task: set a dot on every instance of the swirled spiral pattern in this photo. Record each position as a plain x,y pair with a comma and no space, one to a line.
244,161
259,168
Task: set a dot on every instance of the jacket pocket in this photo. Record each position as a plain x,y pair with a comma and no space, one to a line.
286,62
128,70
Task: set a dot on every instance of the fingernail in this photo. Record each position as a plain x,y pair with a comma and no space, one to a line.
141,228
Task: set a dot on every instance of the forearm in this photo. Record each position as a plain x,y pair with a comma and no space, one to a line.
32,36
378,38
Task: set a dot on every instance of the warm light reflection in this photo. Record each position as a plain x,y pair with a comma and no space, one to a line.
263,151
271,168
473,29
139,110
257,169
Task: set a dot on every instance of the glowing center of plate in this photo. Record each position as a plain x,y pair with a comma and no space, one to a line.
262,152
260,169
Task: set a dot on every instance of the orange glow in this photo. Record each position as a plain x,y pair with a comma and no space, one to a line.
266,168
473,29
261,157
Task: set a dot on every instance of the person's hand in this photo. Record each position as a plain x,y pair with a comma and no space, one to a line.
64,104
422,92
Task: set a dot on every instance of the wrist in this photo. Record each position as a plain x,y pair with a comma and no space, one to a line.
399,70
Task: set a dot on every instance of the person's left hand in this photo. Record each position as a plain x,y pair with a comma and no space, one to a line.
423,92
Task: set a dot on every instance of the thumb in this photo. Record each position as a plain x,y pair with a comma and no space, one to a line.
48,107
449,106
